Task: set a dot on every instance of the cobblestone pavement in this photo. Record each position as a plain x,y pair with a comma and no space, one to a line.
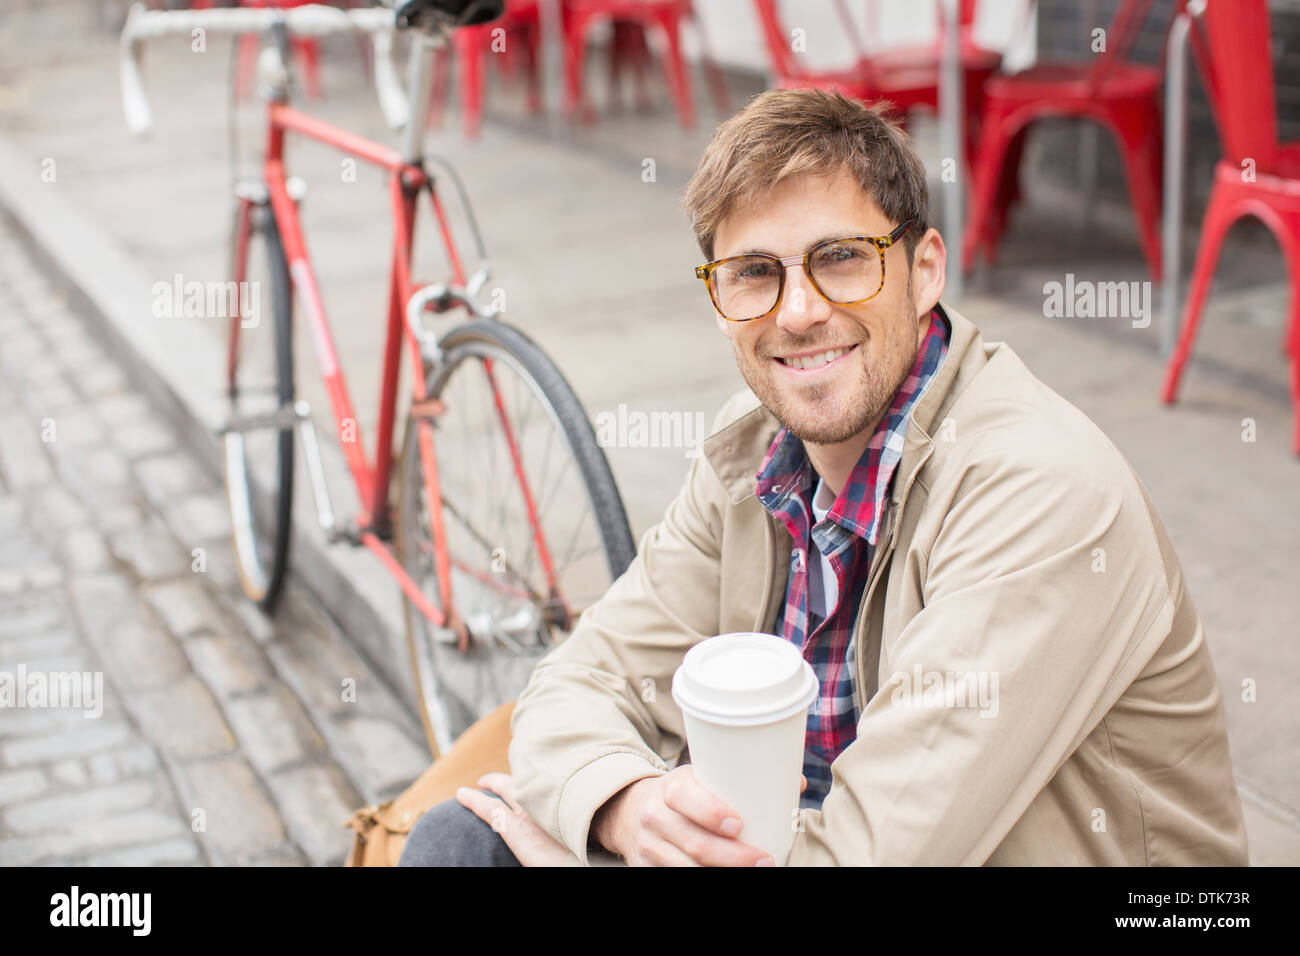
225,737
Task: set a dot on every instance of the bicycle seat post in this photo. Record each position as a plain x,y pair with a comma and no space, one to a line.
419,64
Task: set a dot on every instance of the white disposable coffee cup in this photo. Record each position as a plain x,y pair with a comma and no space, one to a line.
745,701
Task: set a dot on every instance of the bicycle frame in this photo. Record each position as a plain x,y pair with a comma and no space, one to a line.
407,179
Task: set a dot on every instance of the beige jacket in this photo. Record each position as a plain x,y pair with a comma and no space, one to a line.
1018,546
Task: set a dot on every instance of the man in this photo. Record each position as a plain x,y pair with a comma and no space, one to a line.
913,509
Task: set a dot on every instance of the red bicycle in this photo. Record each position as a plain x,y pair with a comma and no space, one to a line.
507,522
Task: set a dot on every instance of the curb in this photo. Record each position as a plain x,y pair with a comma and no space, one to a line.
175,365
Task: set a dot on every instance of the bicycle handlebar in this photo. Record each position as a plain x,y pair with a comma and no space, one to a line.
313,20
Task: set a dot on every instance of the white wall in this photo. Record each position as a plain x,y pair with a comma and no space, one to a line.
736,40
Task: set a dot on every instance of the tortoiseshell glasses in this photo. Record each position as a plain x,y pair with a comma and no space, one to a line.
843,271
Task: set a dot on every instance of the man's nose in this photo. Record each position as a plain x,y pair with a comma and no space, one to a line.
801,306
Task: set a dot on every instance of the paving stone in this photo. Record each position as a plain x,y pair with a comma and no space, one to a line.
229,666
143,656
76,428
183,720
138,439
115,512
180,851
83,836
40,577
82,742
379,752
131,761
29,722
200,518
56,507
184,606
100,381
166,478
240,822
16,785
54,812
314,807
150,551
38,618
84,550
71,773
21,649
119,410
272,733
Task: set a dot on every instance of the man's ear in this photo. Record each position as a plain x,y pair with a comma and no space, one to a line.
929,263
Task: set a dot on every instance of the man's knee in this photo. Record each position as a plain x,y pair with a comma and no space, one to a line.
450,835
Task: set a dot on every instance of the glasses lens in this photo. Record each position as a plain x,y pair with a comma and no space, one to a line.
746,287
847,270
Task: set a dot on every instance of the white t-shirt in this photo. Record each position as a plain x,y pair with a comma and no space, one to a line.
823,589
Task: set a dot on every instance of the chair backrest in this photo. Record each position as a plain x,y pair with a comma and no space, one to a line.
784,62
1119,37
1239,79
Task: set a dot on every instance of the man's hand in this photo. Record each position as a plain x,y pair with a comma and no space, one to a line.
531,845
672,820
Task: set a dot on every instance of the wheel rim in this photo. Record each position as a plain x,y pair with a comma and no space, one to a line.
254,461
499,581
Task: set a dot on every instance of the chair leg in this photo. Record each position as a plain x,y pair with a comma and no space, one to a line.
995,138
675,66
471,86
308,55
575,53
1139,139
1219,217
439,88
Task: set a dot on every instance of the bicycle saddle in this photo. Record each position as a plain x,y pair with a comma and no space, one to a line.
461,13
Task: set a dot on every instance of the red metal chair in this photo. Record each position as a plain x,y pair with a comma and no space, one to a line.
1257,176
666,16
907,77
473,45
1123,97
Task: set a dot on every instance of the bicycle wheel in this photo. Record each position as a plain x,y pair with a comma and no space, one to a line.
258,450
534,527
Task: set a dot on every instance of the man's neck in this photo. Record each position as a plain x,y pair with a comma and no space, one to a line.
834,463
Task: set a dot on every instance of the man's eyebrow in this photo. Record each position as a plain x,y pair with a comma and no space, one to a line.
847,234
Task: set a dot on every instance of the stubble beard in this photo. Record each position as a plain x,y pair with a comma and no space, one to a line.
826,414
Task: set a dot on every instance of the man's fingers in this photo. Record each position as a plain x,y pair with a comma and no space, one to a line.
803,783
688,797
709,849
490,811
503,785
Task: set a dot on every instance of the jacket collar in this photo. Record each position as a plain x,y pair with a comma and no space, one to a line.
736,450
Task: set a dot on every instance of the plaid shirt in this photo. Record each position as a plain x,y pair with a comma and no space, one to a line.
846,538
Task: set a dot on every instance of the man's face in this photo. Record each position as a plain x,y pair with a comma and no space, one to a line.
837,400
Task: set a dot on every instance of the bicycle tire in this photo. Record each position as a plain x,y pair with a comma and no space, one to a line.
260,581
471,340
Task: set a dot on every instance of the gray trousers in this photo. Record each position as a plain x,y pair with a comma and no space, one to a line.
450,835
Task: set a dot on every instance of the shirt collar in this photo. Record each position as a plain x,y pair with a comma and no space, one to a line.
786,470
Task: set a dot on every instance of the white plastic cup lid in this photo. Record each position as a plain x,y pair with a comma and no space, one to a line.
744,679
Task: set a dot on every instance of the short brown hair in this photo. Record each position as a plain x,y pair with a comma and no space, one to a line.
783,133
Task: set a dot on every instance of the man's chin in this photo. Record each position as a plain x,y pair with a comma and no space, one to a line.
815,422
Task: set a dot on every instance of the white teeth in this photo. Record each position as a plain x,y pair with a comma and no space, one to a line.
814,361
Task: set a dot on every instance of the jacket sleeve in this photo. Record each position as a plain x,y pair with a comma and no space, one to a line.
1044,583
597,713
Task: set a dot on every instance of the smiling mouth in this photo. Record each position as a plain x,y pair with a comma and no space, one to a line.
812,363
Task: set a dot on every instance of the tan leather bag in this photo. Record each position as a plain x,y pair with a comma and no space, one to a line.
381,830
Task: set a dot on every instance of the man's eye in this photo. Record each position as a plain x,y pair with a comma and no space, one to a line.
833,254
754,270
